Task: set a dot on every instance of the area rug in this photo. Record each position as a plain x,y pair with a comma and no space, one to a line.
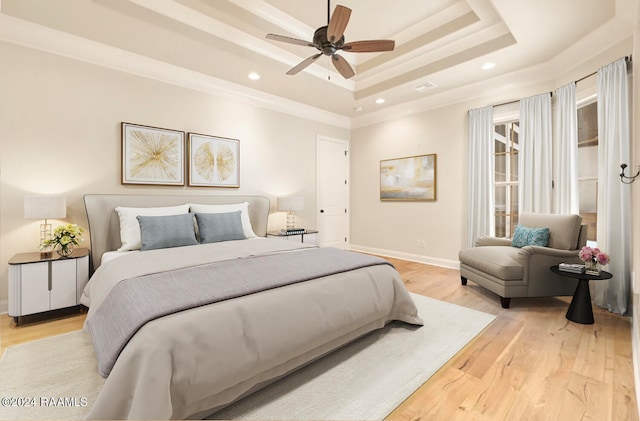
364,380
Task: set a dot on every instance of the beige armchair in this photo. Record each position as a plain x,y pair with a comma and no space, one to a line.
524,272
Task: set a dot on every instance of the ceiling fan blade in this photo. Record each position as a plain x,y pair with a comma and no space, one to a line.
342,66
370,46
289,40
338,23
303,64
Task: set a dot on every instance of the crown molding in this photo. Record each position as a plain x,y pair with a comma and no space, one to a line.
42,38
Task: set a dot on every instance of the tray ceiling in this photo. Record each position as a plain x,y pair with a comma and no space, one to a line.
440,44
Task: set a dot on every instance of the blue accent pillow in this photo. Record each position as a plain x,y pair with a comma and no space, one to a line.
159,232
217,227
524,236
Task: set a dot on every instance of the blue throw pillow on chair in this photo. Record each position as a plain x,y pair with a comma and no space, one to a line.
524,236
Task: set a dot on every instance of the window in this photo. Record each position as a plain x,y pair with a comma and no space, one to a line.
505,137
588,166
506,134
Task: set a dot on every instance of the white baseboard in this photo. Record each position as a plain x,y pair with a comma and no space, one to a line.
451,264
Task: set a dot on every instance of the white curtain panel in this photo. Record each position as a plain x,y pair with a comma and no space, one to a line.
481,195
565,198
614,197
535,165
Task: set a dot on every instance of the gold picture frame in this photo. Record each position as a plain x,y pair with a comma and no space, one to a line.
152,155
213,161
411,178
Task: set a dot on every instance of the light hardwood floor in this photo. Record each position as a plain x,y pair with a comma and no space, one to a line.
531,363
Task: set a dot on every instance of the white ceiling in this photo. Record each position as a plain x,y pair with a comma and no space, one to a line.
439,43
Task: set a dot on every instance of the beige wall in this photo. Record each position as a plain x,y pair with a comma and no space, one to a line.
60,134
397,228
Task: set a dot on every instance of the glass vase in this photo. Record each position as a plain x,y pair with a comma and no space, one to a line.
65,251
592,268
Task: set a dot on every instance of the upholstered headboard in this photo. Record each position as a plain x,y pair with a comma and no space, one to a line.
104,223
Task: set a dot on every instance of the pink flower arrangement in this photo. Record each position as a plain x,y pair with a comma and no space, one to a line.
588,254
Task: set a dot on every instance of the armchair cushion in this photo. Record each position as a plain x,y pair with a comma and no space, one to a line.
525,236
499,261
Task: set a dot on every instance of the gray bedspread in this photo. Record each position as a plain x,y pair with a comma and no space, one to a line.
190,363
136,301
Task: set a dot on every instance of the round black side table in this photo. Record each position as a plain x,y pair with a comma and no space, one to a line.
580,310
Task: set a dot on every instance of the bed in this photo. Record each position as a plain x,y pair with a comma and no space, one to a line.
181,332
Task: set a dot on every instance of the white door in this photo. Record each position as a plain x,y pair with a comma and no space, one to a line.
333,191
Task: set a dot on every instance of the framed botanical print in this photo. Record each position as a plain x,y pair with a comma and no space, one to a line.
213,161
411,178
152,155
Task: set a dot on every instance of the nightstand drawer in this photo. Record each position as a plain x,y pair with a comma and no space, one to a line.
34,281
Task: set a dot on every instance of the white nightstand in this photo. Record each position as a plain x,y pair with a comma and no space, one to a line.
307,237
37,285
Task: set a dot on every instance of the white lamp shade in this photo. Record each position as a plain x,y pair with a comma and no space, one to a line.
291,203
45,207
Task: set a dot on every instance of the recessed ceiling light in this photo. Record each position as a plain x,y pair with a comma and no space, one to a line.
254,76
380,101
488,65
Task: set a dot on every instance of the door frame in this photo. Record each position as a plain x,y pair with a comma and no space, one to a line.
347,146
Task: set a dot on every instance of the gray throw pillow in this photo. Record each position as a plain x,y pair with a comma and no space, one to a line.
217,227
158,232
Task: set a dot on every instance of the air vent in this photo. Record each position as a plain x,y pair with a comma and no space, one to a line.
425,86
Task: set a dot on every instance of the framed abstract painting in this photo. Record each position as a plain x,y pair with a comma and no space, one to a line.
152,155
410,178
213,161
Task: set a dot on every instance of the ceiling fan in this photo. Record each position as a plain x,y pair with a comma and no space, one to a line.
329,40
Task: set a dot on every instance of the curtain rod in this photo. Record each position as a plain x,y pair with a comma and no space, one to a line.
514,101
627,58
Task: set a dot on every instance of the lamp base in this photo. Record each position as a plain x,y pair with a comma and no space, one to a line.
45,234
291,220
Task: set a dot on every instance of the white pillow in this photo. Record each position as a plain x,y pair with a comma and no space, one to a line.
244,216
130,228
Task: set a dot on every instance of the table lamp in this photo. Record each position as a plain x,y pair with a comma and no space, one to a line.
45,207
290,204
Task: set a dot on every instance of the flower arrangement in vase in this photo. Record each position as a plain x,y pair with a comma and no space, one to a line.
64,238
593,258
